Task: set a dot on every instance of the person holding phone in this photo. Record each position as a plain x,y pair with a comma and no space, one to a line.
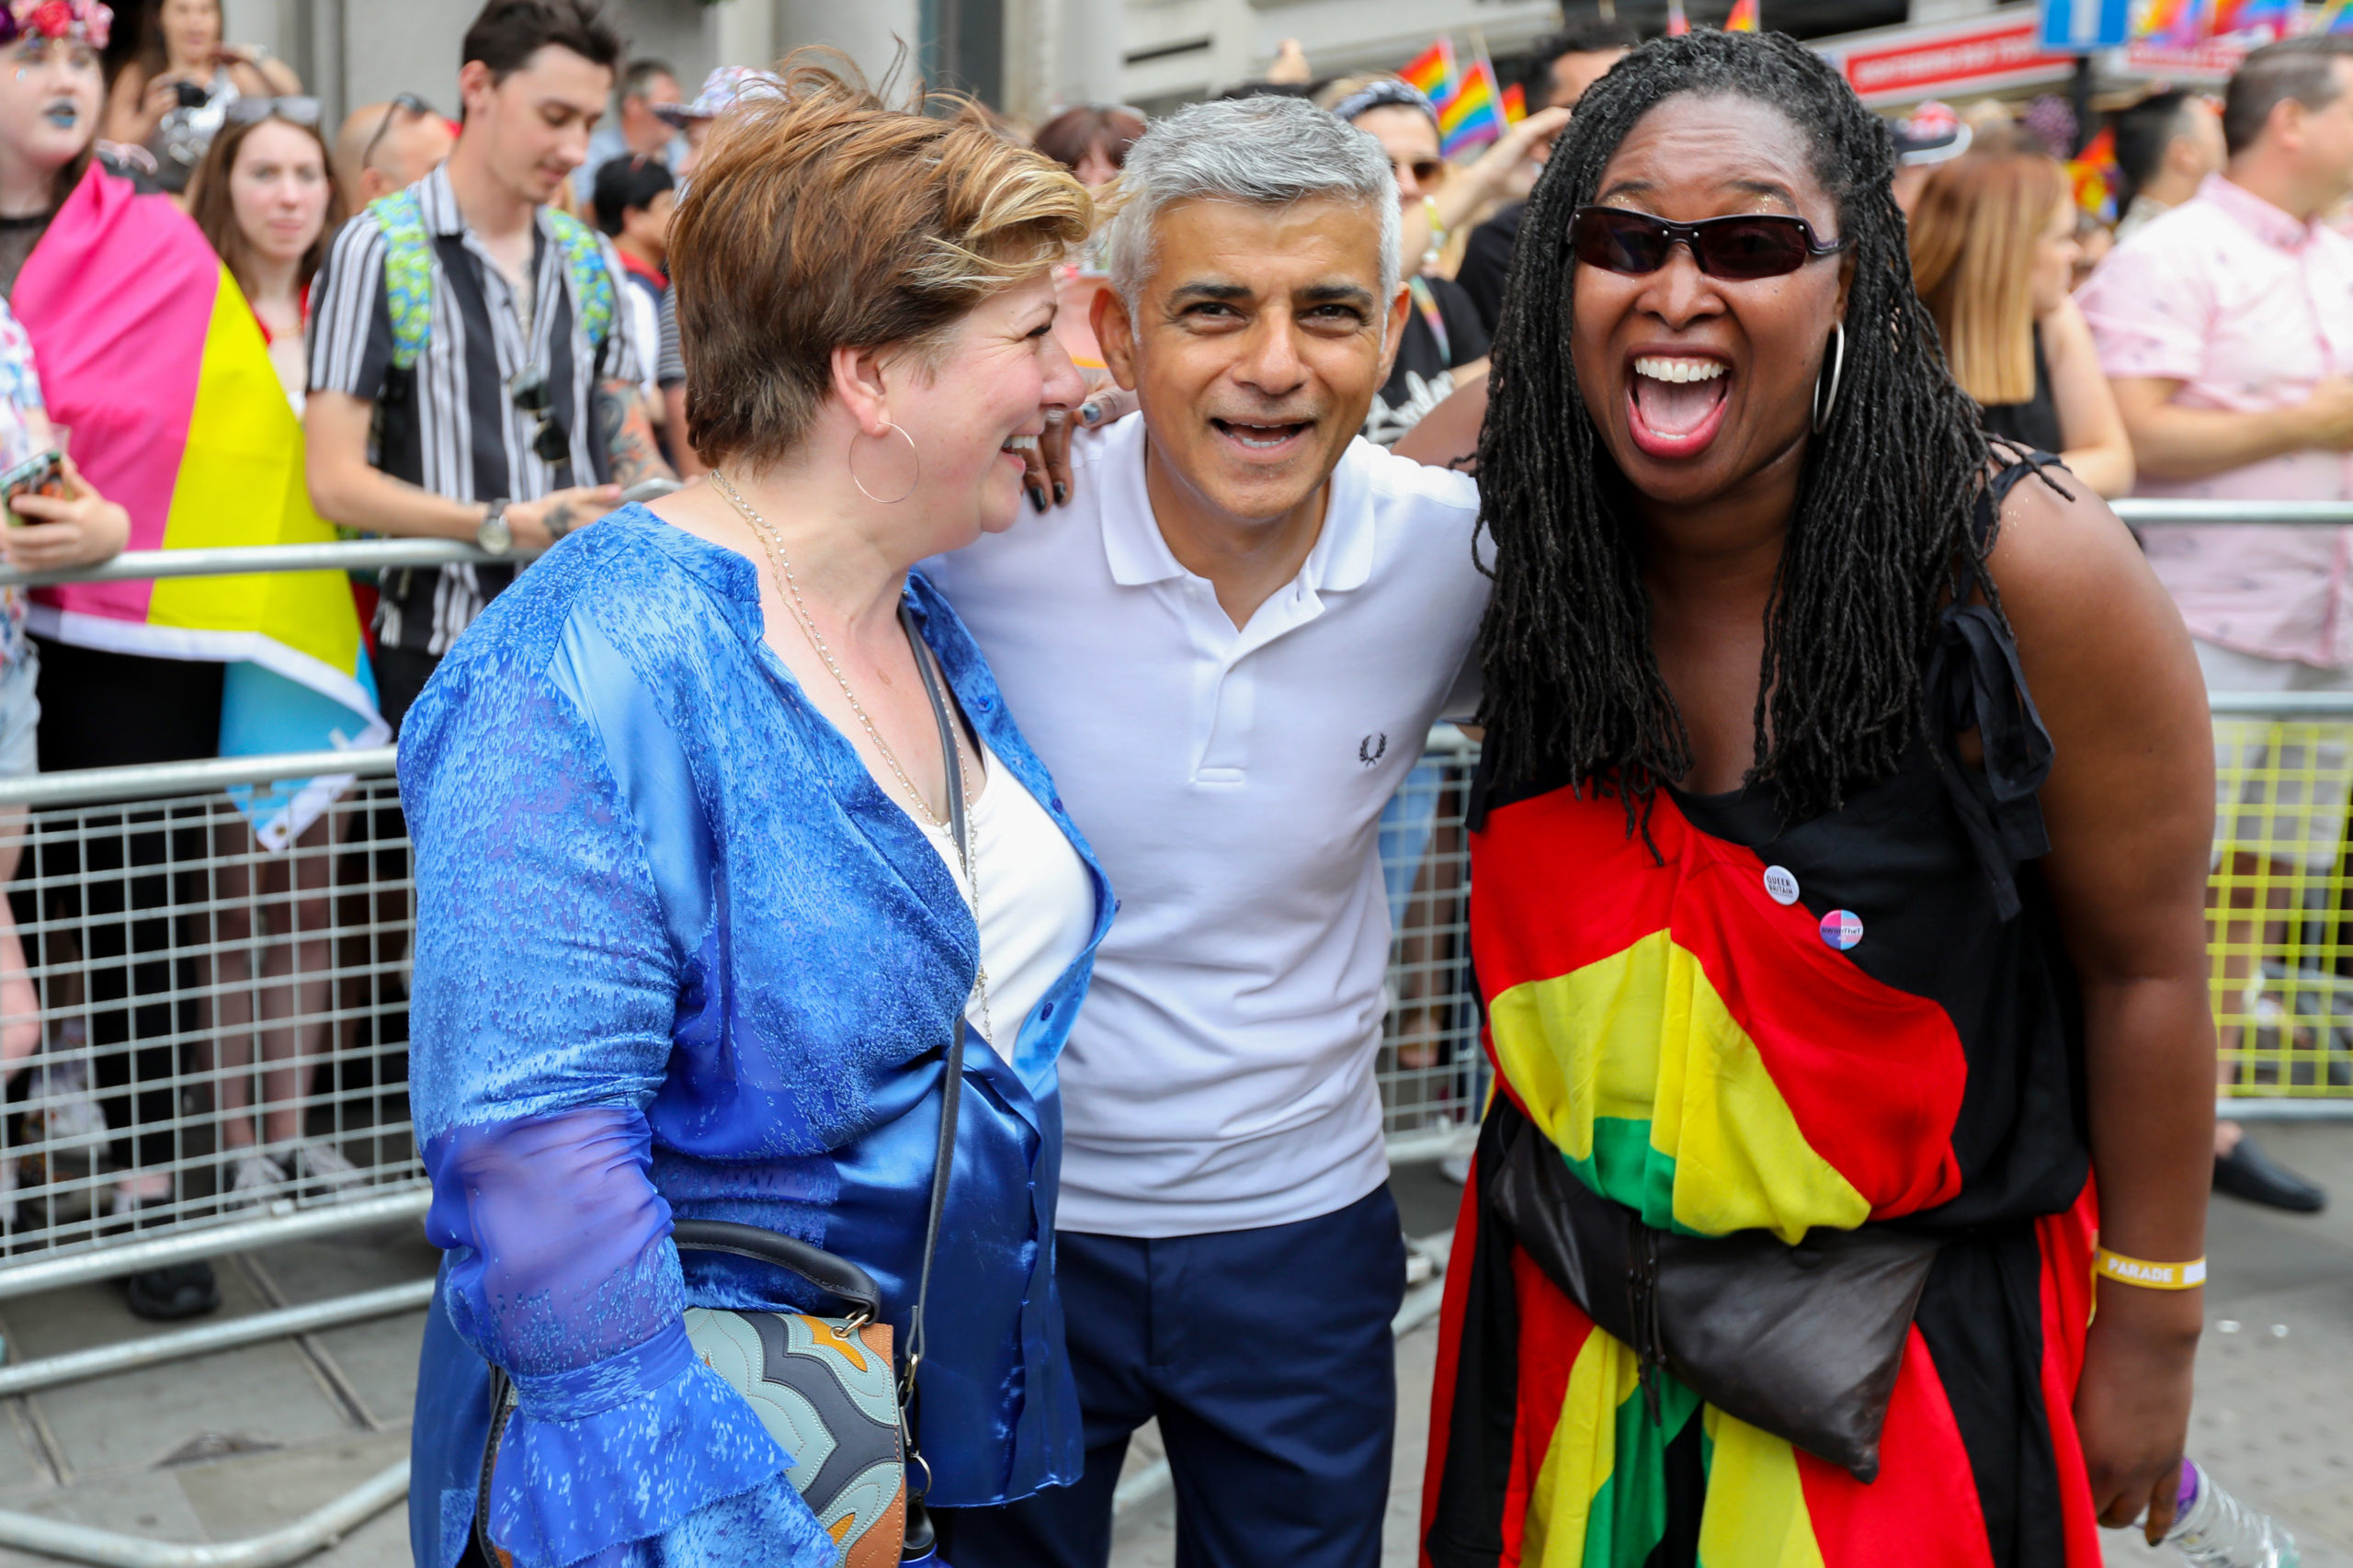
52,519
173,98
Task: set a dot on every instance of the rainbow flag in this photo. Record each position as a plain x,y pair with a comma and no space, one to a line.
2337,17
1432,70
1743,18
2248,18
1472,114
2177,23
148,352
2093,172
1678,24
1515,104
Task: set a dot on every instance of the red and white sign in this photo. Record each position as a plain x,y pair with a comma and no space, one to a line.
2212,60
1982,54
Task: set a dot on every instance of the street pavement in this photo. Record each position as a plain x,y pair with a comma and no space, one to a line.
233,1445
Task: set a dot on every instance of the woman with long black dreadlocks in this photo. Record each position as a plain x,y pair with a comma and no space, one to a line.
1823,967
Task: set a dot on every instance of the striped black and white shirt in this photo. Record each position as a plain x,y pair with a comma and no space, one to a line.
449,424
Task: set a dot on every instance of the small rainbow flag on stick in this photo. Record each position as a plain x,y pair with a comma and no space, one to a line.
1678,24
1515,103
1432,70
2177,23
2337,17
1743,18
1472,114
2093,174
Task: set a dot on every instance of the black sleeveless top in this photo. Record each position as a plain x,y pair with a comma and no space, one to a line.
2033,424
1927,1043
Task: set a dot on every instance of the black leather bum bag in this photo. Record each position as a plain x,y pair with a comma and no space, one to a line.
1803,1342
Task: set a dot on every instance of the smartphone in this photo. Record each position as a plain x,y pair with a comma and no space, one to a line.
41,474
191,95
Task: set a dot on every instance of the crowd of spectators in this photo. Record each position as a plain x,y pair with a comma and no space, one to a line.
470,315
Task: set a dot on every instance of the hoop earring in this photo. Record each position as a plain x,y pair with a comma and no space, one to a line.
1824,404
851,462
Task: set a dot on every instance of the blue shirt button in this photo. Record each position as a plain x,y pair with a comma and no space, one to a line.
1045,1011
1058,803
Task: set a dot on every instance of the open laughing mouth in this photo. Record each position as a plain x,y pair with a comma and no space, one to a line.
1263,439
1675,403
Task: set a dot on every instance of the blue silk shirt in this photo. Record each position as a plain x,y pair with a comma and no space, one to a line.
678,953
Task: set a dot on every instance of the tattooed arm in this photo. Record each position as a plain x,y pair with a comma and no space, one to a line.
627,434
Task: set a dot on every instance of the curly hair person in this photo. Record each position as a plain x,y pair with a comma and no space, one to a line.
1882,533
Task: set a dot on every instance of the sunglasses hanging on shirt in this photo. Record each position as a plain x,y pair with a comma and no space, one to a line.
551,442
1738,249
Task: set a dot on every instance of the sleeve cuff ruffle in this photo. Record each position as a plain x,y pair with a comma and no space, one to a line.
622,1451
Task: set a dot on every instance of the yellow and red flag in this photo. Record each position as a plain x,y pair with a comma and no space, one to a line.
1743,18
1515,103
148,352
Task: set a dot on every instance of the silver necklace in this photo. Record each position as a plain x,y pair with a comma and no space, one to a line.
782,567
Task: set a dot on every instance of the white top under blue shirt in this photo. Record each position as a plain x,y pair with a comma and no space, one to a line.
1231,781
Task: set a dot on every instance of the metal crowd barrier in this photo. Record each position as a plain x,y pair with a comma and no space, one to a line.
205,1049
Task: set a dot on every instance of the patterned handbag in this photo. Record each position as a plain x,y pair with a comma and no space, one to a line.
826,1387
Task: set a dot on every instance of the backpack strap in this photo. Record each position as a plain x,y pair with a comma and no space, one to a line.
408,274
592,281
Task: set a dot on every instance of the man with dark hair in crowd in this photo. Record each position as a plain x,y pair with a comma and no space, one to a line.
504,405
2166,147
1564,65
2225,326
635,198
638,129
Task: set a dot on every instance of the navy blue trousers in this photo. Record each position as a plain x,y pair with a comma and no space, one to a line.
1266,1357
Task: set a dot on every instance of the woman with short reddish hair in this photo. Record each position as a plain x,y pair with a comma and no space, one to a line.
710,887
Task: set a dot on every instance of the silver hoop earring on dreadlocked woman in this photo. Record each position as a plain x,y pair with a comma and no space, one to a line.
1825,388
913,451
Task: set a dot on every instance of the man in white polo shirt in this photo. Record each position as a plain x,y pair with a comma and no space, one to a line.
1227,648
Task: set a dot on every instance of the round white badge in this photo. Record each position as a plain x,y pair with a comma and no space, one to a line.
1779,885
1842,928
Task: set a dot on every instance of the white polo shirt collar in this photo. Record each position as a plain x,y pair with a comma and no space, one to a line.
1139,555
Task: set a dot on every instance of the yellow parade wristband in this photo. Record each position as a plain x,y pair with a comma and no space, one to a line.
2149,1275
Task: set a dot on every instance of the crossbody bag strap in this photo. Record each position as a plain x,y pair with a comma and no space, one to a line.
951,1089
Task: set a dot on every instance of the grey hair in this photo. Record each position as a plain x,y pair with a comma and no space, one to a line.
1261,152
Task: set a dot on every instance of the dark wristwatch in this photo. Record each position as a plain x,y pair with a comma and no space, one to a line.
494,535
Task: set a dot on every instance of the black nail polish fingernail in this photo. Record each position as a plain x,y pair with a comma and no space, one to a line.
1037,498
1061,492
1088,413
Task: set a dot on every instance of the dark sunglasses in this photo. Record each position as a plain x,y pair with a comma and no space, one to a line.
1427,171
1738,248
402,102
551,443
294,111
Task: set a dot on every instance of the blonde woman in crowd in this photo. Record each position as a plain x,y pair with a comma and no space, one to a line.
1994,249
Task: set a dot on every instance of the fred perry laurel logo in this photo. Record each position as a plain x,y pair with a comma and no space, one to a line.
1372,748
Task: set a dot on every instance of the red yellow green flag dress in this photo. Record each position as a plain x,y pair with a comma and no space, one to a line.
1726,1023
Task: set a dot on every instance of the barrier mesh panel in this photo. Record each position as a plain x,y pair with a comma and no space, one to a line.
197,1028
2279,944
